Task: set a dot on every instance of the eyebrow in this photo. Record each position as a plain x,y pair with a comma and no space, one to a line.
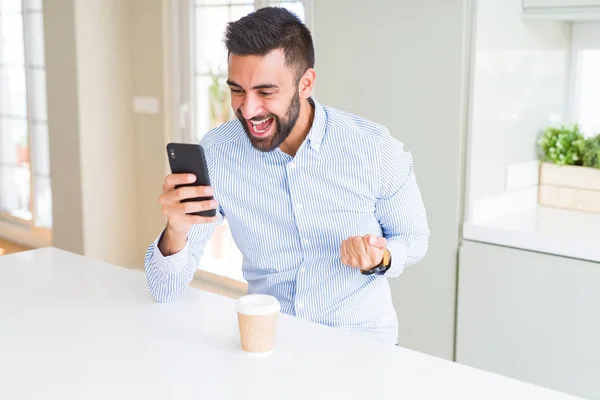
257,87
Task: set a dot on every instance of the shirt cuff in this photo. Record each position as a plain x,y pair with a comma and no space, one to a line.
398,253
173,263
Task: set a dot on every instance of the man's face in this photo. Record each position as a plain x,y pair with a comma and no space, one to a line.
264,96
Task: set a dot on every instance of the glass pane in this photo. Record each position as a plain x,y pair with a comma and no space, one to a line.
202,111
10,5
40,151
34,4
589,92
35,39
211,22
210,49
223,2
15,191
12,92
297,7
11,40
38,94
238,12
222,257
213,102
14,143
43,202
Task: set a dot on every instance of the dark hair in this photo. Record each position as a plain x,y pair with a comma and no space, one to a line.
271,28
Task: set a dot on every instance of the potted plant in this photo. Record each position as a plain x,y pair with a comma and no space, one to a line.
218,100
569,169
591,152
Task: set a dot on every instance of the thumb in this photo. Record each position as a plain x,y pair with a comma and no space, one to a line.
376,241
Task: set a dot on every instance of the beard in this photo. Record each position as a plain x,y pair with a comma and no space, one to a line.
282,126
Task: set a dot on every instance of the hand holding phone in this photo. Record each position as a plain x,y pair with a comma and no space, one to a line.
187,196
179,219
180,212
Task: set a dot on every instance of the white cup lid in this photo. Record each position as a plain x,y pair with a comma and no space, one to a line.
257,304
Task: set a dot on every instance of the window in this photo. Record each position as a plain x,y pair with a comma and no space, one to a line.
586,89
25,195
202,60
588,83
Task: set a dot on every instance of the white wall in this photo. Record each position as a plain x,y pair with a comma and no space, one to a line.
400,63
107,164
149,64
63,125
519,81
106,129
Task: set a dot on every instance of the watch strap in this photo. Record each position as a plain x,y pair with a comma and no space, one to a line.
382,267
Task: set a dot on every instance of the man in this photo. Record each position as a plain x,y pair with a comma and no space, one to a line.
322,204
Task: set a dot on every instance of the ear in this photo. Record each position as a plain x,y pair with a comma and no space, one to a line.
306,84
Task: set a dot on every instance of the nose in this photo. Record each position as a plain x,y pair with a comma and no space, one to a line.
250,108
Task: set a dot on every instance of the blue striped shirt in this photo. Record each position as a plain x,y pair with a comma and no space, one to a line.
289,216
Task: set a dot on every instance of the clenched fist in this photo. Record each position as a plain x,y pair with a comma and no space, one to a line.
363,252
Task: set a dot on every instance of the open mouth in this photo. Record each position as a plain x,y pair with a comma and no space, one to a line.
261,128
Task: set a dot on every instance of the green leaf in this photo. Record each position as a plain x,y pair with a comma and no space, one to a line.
562,145
591,152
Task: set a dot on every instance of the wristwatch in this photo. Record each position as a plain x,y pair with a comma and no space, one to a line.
382,267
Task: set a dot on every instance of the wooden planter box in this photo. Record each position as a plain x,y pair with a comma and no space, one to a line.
570,187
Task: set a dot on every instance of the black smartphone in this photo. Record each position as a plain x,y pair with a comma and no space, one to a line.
188,158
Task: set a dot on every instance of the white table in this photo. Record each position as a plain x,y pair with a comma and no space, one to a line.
75,328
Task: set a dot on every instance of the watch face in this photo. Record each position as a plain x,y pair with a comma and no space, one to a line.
387,258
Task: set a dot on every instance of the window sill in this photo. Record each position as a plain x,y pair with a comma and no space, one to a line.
219,284
21,233
214,283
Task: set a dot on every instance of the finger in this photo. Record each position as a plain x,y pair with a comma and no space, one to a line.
197,219
375,253
345,257
187,192
189,207
177,179
190,192
376,241
352,251
361,252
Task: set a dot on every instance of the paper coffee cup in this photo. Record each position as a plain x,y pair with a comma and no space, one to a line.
257,319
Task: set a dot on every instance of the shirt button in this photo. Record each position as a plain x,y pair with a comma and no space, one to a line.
292,165
306,241
299,206
300,304
303,270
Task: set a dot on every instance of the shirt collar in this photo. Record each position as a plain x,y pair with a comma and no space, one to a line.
317,130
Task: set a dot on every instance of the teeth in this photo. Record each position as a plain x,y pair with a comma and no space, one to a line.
259,122
255,123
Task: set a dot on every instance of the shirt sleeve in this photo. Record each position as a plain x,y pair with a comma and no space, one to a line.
169,276
399,207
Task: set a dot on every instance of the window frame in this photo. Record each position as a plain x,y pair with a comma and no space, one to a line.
16,229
